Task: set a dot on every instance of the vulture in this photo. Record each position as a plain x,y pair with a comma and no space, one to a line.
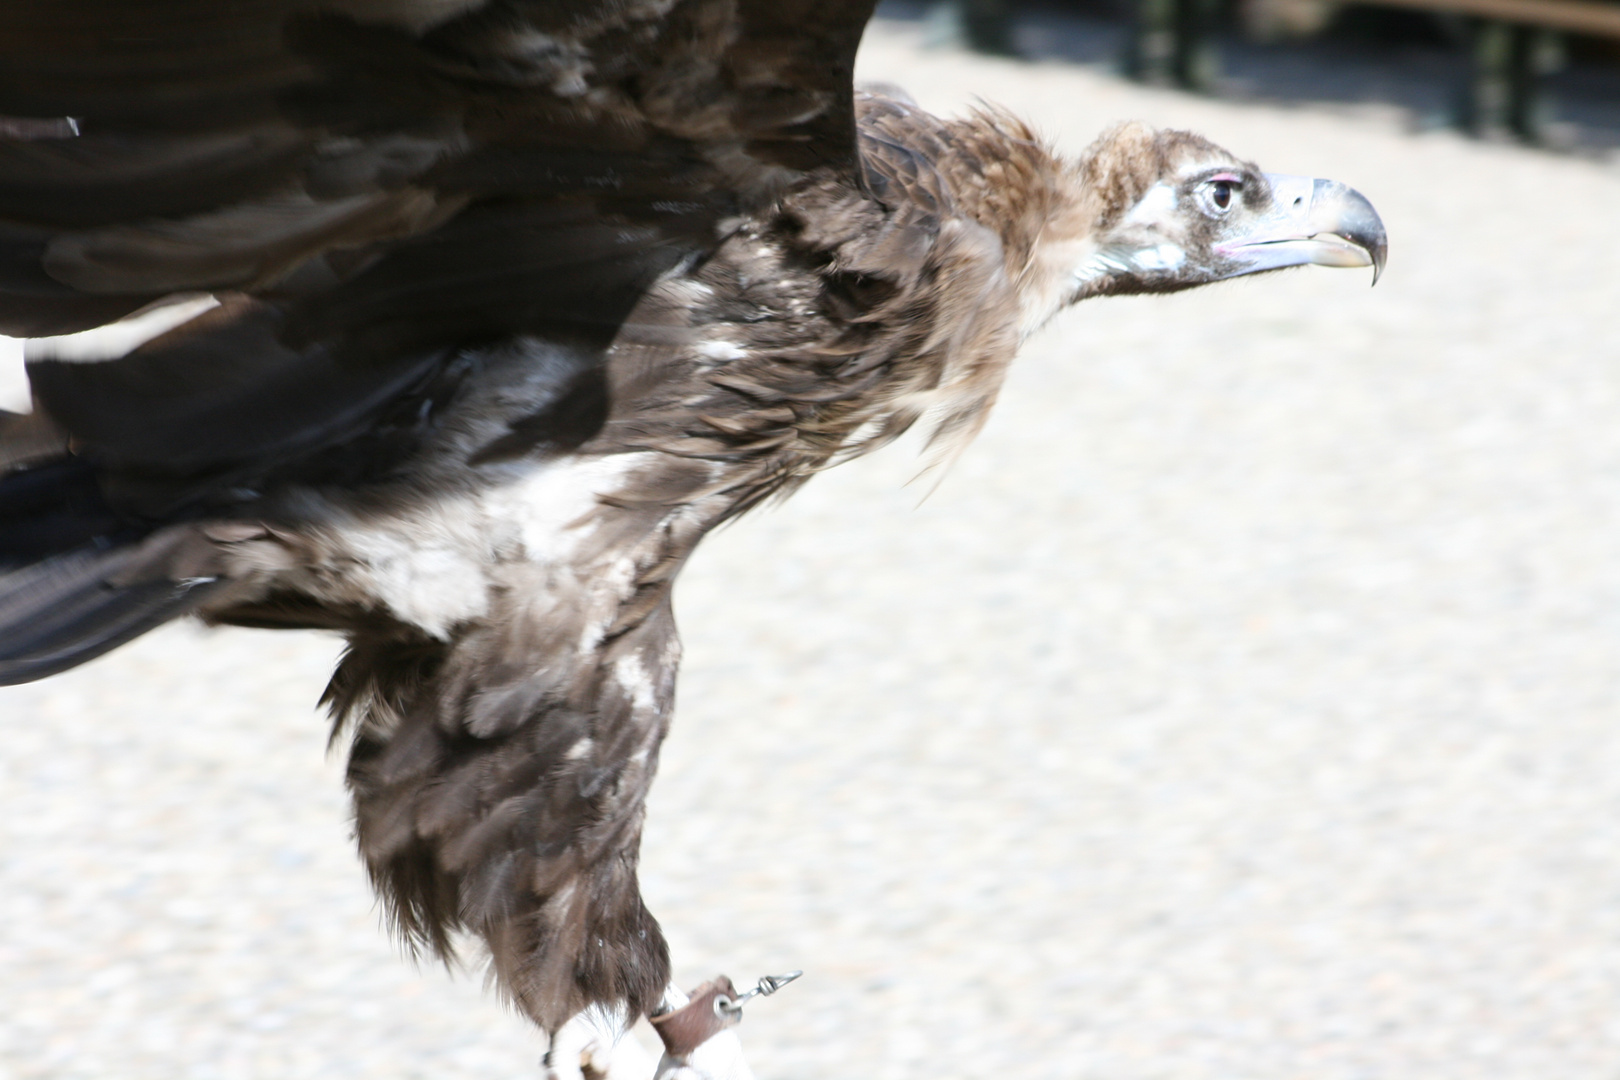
452,326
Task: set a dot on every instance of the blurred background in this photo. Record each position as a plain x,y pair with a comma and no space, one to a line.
1245,703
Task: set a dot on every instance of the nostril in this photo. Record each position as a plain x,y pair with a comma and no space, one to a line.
1298,200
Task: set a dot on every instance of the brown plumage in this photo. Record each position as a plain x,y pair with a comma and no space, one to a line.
515,301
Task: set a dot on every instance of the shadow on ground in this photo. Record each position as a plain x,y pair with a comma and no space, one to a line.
1368,56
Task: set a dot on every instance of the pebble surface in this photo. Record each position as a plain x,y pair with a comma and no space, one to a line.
1245,703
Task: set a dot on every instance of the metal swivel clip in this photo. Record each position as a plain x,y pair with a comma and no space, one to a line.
730,1007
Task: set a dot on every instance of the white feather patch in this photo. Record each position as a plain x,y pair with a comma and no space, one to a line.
548,510
433,563
1162,257
115,339
1154,207
636,681
720,350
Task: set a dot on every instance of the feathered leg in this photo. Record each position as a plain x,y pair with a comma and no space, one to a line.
499,781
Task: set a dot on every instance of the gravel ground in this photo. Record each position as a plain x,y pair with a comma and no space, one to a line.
1243,705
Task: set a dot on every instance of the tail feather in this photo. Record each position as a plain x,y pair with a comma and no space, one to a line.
69,609
62,552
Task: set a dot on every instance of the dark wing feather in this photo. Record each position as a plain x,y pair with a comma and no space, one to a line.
391,179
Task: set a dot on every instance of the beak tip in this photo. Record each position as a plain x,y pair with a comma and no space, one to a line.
1347,213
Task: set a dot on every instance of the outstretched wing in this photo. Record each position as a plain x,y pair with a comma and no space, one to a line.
356,191
365,184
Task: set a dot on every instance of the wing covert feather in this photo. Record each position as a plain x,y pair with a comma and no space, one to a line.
395,178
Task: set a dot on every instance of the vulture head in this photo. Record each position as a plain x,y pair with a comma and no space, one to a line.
1164,210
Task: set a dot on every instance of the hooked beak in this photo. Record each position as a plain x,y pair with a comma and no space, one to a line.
1311,221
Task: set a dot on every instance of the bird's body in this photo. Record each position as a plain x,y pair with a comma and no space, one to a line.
537,298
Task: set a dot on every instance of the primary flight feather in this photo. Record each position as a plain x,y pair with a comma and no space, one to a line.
454,325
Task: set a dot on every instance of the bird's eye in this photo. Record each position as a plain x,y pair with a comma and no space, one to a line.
1218,194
